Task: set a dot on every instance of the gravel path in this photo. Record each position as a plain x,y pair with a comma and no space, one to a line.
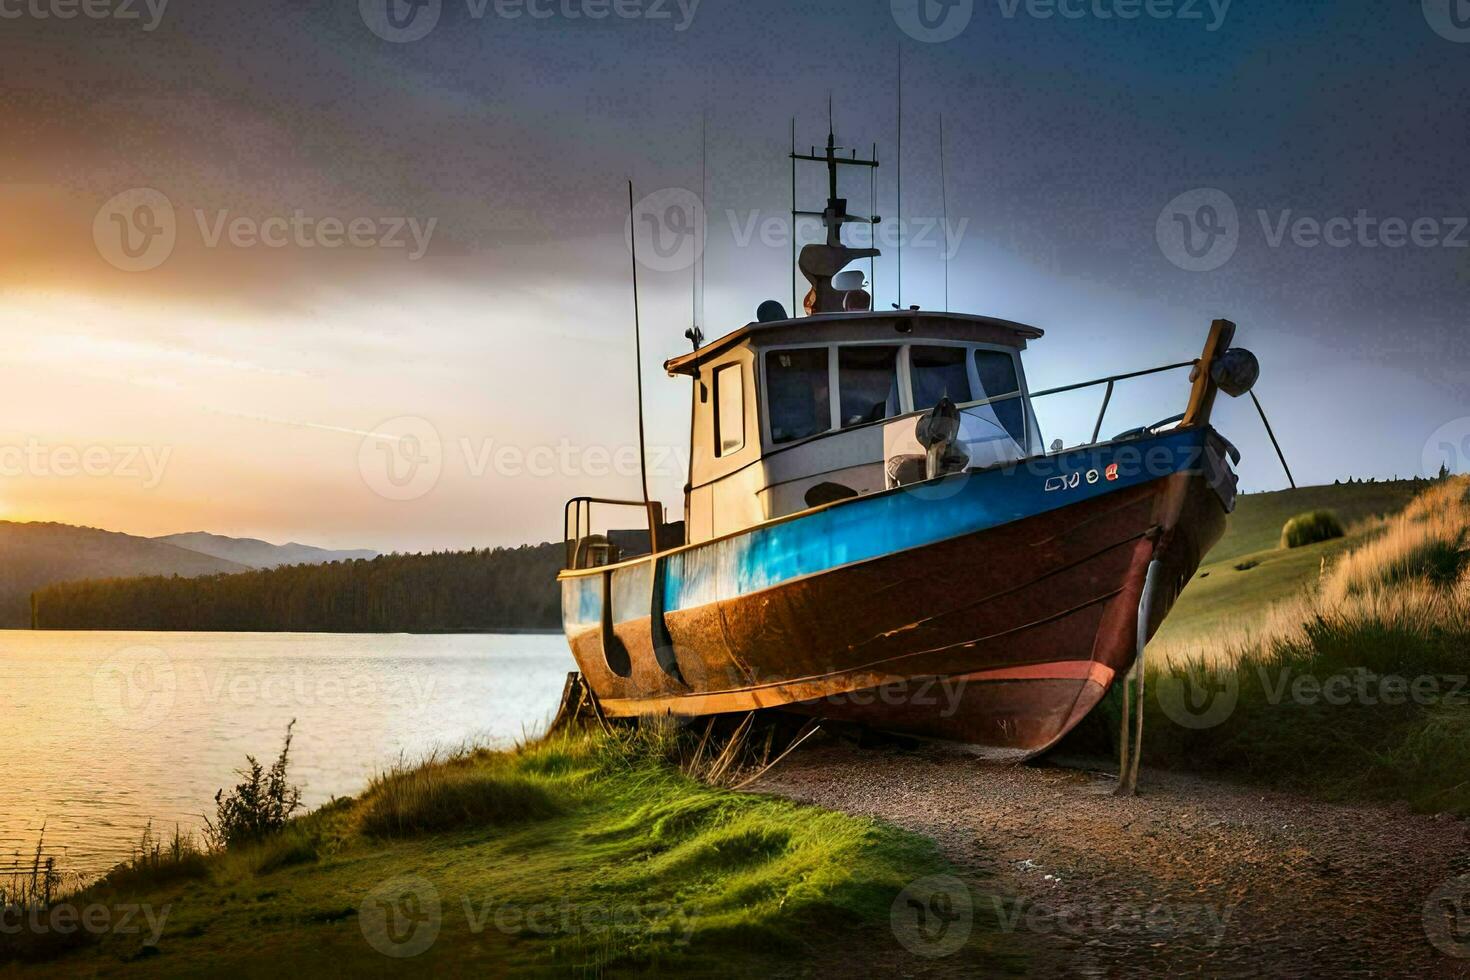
1192,877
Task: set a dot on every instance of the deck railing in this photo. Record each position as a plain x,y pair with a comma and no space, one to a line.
1111,380
579,509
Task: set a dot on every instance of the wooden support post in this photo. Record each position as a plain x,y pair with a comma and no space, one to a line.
1202,396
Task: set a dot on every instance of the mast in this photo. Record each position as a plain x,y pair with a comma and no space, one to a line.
638,374
820,262
898,175
872,237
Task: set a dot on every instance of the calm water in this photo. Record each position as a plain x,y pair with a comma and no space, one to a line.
107,731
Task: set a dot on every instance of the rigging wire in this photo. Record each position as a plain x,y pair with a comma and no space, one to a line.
944,207
1276,445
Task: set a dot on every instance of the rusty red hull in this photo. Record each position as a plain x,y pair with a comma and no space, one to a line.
1004,637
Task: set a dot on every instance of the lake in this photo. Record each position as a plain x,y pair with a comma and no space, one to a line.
108,731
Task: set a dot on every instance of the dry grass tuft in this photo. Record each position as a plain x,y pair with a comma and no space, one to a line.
1392,613
1411,575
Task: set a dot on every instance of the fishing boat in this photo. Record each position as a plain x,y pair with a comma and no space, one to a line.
874,530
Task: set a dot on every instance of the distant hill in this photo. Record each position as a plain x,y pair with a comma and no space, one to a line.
1256,523
480,590
1249,570
35,555
255,553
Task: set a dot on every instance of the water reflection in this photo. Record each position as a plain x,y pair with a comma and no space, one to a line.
110,730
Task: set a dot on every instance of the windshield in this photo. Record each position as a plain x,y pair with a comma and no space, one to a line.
867,383
996,371
938,372
798,390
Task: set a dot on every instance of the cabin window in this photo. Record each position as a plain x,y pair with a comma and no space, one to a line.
996,372
935,372
798,393
729,410
867,383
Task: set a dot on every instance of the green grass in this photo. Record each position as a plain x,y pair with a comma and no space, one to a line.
1256,524
1355,709
483,788
1311,527
1221,596
577,855
1355,687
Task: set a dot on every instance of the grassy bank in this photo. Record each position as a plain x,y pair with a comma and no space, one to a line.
1249,570
1344,670
582,854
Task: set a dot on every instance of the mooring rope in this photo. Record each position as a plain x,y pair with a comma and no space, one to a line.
1279,454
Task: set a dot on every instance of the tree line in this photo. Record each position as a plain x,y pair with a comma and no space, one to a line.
451,591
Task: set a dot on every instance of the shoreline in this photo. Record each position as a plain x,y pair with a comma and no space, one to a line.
469,631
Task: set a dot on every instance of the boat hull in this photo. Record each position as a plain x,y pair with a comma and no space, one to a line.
1003,634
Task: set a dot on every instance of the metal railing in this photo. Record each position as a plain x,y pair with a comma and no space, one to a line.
1111,380
577,509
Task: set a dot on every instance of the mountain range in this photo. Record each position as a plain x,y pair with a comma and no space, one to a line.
260,554
33,555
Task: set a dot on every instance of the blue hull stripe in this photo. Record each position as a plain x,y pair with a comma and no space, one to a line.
873,526
881,524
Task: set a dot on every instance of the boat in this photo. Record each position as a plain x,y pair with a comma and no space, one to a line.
874,532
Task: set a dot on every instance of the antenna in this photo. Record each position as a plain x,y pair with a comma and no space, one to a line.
821,263
793,216
873,228
703,209
944,207
696,269
898,173
638,373
694,266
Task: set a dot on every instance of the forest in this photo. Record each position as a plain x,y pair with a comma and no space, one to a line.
452,591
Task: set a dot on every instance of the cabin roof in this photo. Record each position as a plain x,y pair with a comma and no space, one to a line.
824,324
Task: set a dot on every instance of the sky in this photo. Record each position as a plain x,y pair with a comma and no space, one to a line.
357,273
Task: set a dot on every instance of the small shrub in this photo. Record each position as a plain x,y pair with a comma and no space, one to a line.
257,807
32,890
1311,527
157,861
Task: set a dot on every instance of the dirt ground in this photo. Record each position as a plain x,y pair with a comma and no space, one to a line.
1191,877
